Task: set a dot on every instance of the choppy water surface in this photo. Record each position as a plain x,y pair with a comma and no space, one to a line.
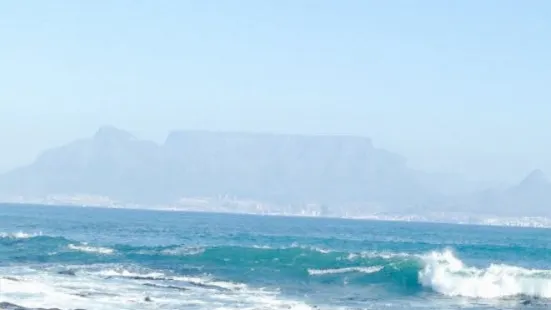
85,258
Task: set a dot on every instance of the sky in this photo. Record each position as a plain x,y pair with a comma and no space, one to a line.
454,86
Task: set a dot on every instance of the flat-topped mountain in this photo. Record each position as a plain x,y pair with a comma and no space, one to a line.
267,167
339,171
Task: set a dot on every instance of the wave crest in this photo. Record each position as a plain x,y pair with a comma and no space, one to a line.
366,270
19,235
90,249
444,273
441,272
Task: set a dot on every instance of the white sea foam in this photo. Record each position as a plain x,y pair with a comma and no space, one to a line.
19,235
205,280
112,287
90,249
367,270
376,254
209,281
124,273
446,274
183,251
310,248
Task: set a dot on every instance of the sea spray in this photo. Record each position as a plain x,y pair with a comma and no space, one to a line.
129,260
446,274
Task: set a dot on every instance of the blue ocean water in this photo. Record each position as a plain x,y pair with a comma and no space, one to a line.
91,258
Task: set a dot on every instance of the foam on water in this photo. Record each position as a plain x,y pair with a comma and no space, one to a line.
90,249
184,251
446,274
366,270
111,288
92,259
19,235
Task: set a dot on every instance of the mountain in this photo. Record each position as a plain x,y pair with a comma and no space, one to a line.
111,163
287,168
530,197
341,173
535,181
336,170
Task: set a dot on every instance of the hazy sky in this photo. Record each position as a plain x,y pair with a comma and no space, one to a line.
456,86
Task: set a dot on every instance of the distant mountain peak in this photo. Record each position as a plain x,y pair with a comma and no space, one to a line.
535,177
112,133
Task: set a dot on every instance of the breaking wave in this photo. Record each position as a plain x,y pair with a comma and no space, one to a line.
444,273
90,249
441,272
119,287
19,235
316,272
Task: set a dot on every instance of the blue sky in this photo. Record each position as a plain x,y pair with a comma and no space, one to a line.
455,86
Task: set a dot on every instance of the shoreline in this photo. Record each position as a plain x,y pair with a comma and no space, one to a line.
526,222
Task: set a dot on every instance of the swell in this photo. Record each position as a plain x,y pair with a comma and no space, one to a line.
438,271
39,248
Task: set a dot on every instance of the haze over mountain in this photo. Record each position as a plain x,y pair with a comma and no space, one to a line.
337,171
456,87
531,197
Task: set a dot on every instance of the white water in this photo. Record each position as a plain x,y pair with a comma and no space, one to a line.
116,288
19,235
367,270
183,251
90,249
446,274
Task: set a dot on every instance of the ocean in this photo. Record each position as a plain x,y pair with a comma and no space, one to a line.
107,259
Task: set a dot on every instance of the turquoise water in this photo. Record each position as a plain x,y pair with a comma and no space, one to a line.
88,258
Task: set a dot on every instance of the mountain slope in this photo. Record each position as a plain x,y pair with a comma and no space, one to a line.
112,163
530,197
266,167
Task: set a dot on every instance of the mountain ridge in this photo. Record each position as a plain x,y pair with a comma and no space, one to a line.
336,170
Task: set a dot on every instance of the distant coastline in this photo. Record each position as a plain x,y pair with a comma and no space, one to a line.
431,217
